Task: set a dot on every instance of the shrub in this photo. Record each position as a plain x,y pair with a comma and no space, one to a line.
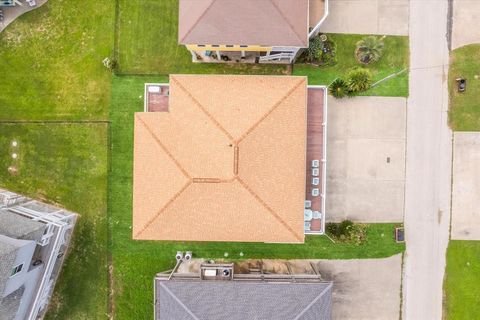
369,49
359,79
321,50
338,88
313,52
347,232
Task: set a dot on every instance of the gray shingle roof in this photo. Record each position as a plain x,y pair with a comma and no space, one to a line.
19,227
235,300
8,253
10,304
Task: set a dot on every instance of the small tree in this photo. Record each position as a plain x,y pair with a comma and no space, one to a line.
359,79
338,88
369,49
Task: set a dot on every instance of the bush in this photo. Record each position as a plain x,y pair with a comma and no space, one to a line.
320,50
359,79
339,89
369,49
313,52
347,232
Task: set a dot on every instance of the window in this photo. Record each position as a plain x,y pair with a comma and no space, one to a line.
16,270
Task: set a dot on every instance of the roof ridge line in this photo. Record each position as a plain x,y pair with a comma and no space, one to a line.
202,108
287,21
266,206
198,20
275,106
312,302
179,302
172,199
165,149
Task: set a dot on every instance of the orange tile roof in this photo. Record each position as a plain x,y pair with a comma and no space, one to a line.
226,163
244,22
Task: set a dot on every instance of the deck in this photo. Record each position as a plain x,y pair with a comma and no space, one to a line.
315,151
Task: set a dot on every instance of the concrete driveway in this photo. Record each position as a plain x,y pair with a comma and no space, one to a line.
366,159
383,17
364,289
466,186
465,17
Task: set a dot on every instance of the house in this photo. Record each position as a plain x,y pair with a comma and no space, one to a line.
249,30
219,291
8,3
33,240
230,158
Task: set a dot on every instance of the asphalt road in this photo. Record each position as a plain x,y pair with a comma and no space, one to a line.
428,162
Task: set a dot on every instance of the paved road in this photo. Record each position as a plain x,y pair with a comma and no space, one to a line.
427,190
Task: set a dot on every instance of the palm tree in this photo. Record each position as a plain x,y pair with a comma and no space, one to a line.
369,49
359,79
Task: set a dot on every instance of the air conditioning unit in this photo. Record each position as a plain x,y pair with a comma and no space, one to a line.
188,256
179,256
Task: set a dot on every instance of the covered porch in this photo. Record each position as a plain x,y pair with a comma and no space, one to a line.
225,56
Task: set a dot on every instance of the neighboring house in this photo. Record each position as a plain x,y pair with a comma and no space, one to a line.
230,158
33,240
218,292
8,3
263,31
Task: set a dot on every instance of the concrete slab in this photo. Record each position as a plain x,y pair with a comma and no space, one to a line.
366,159
382,17
465,17
466,186
364,289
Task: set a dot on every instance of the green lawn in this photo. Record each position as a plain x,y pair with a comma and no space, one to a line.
147,43
51,62
464,114
395,59
462,281
67,164
136,262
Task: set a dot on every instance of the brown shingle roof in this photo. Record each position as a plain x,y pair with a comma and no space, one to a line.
244,22
226,163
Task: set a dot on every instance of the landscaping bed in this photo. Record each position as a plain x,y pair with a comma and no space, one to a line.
394,59
464,112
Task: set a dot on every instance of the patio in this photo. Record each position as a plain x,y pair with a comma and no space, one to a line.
156,97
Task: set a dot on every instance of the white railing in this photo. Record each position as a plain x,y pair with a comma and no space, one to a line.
278,56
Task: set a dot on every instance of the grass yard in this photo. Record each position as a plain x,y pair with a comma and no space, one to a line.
147,43
51,62
462,281
67,164
464,113
395,58
136,262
